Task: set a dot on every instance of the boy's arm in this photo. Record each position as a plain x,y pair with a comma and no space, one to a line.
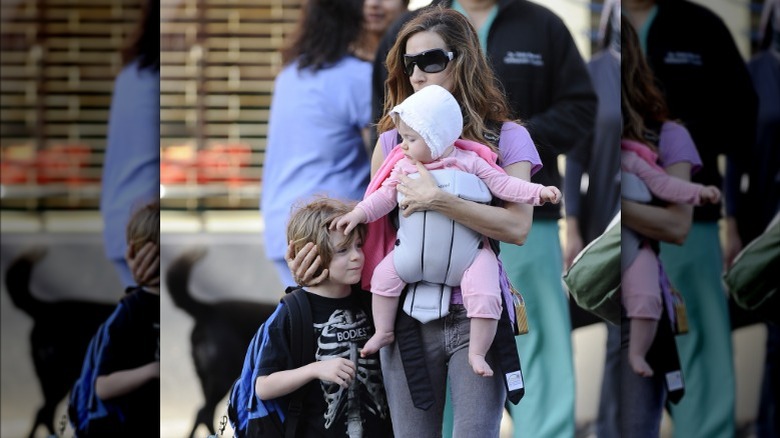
338,370
124,382
660,183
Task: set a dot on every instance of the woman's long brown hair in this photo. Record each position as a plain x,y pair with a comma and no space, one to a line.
144,43
641,100
476,87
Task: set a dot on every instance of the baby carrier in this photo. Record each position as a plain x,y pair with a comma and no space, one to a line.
433,251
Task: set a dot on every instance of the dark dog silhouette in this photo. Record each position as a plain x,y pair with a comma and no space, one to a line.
59,338
220,337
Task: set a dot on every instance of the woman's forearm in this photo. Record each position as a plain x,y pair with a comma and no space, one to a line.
126,381
510,223
668,224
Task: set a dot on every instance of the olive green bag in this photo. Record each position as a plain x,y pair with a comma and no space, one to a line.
593,279
752,279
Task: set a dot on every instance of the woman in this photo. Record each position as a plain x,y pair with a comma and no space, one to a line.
379,15
642,398
320,106
420,57
131,170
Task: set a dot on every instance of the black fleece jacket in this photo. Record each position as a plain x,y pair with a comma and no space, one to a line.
543,75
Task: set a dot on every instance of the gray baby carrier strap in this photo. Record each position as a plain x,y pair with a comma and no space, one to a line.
433,251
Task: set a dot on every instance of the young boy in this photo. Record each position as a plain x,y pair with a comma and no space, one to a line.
430,122
129,366
344,391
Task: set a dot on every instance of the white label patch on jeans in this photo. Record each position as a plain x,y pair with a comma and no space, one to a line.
674,380
514,380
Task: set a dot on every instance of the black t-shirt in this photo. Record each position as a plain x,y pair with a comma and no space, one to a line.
134,340
341,328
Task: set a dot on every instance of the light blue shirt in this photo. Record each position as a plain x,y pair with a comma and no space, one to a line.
484,30
314,142
131,168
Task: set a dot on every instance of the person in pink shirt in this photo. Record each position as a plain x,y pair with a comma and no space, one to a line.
641,293
429,123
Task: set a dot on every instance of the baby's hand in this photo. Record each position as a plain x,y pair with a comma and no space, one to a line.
349,221
709,194
338,370
550,194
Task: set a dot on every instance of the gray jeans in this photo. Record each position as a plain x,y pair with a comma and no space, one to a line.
477,402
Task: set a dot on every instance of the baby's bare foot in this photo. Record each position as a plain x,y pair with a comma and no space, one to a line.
640,365
479,365
376,342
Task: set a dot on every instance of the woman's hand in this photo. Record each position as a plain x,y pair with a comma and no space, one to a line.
305,264
419,194
145,264
669,224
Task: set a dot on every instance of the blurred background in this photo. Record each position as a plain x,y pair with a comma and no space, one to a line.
219,59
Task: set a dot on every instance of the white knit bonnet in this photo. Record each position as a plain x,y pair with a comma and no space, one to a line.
433,113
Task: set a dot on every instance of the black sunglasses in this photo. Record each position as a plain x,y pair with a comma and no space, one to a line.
429,61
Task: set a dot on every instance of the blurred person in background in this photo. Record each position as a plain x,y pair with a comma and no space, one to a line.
749,210
131,169
588,212
379,15
703,77
320,113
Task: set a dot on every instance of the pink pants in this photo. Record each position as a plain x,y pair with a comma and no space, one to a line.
479,286
641,288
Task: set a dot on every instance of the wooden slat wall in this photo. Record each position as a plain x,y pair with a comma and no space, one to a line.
58,61
219,60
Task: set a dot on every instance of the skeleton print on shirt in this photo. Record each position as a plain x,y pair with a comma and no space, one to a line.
342,335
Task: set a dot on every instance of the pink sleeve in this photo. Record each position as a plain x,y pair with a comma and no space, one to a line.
506,187
660,183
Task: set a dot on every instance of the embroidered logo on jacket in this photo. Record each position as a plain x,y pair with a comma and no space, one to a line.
526,58
683,58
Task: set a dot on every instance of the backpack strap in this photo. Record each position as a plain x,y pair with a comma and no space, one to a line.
301,348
